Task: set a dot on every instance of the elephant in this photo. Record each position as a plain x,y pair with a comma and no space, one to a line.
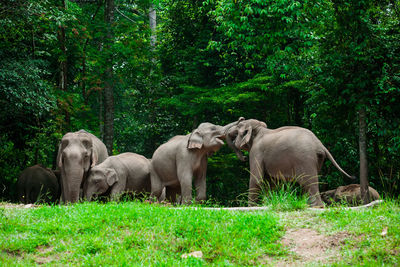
284,153
77,153
175,163
38,184
350,194
126,172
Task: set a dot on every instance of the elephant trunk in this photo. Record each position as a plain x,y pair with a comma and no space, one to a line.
229,136
88,196
71,183
226,128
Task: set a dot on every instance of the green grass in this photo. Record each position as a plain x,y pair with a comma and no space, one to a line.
376,233
283,196
134,233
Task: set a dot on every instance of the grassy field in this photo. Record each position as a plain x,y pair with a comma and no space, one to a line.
135,233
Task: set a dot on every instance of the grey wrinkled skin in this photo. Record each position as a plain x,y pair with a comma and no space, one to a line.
183,160
77,153
126,172
350,194
285,153
38,184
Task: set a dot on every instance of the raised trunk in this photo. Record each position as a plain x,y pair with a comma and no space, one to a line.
229,132
363,155
230,143
227,127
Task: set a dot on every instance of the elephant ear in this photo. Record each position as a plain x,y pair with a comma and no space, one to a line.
111,176
94,157
59,158
195,140
246,139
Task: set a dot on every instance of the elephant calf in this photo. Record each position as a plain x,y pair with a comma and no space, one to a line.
38,184
350,194
126,172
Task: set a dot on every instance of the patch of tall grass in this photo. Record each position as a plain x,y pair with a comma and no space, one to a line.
283,195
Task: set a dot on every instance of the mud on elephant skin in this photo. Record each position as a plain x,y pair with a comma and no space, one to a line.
183,160
350,194
126,172
77,153
285,153
38,184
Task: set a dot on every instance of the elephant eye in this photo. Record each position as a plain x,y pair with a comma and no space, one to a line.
86,143
64,143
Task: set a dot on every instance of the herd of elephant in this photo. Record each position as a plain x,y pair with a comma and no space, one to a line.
84,169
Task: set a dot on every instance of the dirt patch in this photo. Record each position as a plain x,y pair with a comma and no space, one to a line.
45,255
308,246
7,205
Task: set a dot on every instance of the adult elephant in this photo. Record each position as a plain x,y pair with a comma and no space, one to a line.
77,153
184,157
285,153
38,184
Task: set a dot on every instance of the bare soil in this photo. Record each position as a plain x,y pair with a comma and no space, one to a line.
308,246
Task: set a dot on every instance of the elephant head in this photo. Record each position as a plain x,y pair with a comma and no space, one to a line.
75,157
209,137
99,181
240,136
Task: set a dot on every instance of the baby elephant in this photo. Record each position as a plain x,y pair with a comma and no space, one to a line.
350,194
126,172
38,184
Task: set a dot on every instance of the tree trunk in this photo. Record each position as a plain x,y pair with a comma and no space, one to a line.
153,25
83,74
363,154
63,79
108,79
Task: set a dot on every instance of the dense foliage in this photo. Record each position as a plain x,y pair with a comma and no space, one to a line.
309,63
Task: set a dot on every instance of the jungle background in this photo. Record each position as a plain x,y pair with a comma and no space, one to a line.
136,73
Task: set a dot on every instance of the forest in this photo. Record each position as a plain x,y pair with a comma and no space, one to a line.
136,73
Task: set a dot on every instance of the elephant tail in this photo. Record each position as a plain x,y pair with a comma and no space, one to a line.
330,157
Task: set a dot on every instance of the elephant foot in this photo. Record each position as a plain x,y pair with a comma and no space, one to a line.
317,204
252,203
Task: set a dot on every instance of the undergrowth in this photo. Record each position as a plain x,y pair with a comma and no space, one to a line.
283,196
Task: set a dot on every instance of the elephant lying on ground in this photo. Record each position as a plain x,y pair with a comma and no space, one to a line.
126,172
283,153
350,194
182,159
38,184
77,153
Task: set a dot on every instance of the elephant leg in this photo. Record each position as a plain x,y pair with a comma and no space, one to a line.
185,177
311,186
156,186
200,182
186,190
172,193
256,178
